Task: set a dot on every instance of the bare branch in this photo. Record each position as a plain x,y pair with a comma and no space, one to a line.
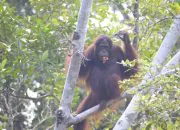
50,94
41,122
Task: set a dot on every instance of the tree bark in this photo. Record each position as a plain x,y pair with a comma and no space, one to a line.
63,114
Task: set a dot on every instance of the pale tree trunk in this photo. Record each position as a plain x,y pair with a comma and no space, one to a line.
63,114
172,63
167,45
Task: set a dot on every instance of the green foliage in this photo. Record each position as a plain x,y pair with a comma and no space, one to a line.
32,53
175,7
161,109
33,49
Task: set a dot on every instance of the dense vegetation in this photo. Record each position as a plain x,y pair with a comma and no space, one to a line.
35,38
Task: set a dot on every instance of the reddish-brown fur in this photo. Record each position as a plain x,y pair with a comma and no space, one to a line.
103,78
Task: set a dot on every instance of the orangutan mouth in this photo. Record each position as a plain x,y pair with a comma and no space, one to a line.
104,59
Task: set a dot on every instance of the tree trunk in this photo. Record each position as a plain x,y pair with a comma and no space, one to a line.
63,115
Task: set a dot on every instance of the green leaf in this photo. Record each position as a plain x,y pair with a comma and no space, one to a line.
55,21
3,63
45,55
24,40
3,118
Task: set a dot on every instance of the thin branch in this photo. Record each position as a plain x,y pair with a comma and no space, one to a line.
32,98
6,104
10,113
136,28
50,127
37,98
41,122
